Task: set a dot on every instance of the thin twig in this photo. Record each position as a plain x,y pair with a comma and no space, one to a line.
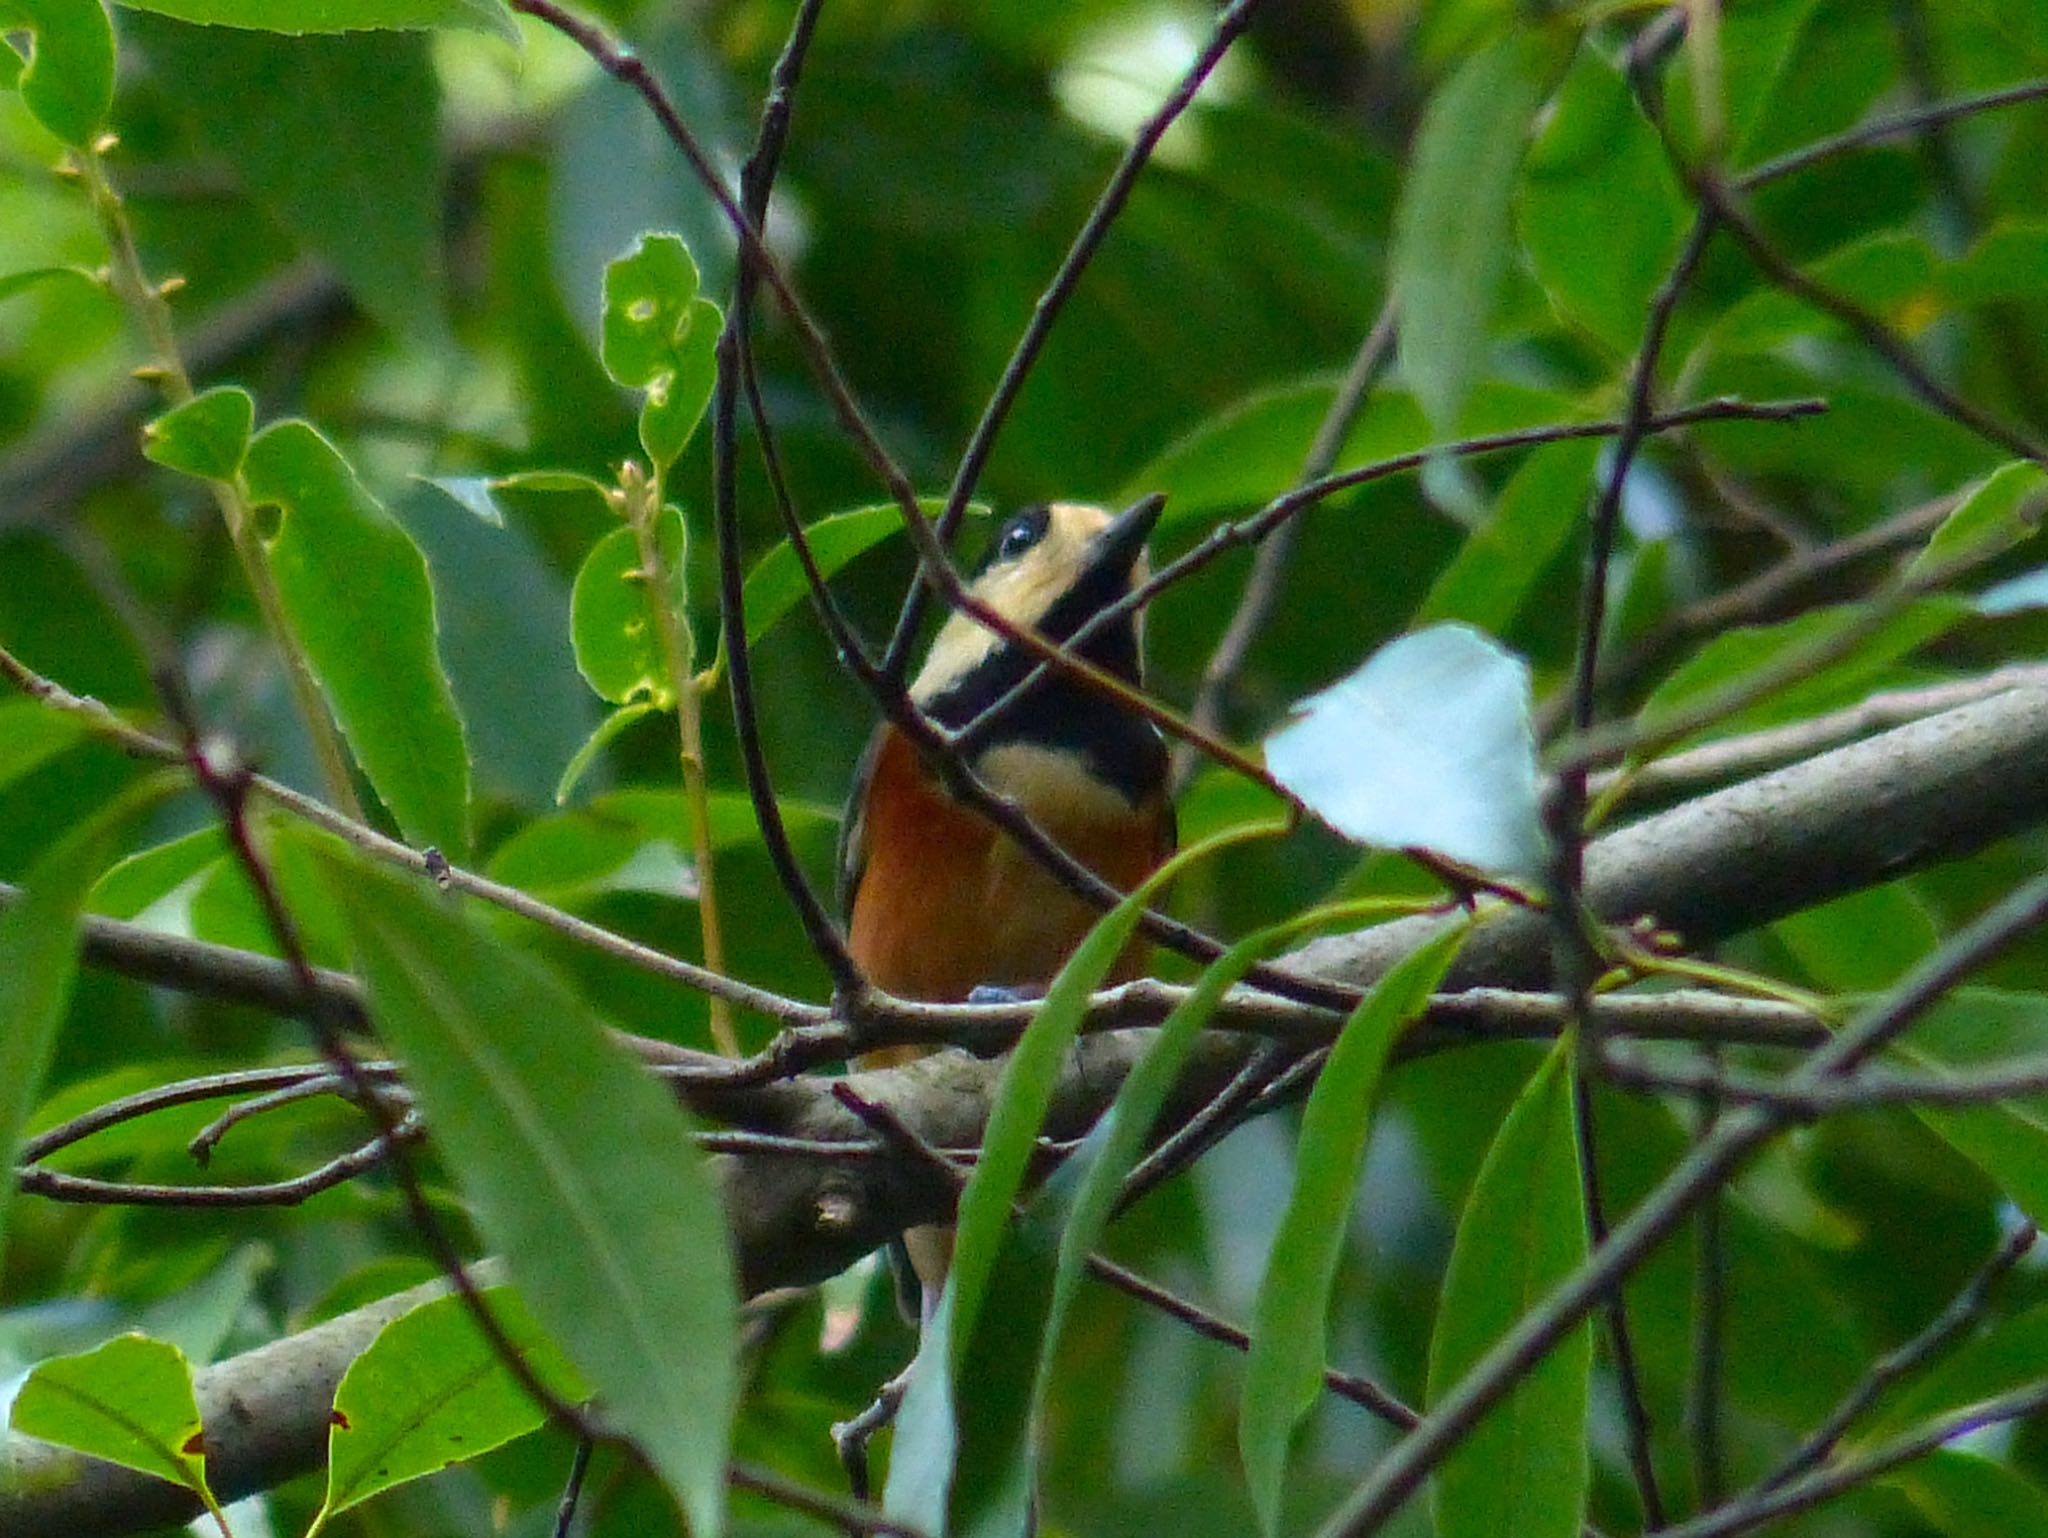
1707,1168
1894,1367
1230,24
757,181
1263,587
1895,125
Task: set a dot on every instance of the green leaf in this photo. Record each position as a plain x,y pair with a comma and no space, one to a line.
478,494
1290,1320
777,583
1493,574
38,965
148,876
611,614
633,841
431,1392
1427,745
356,594
1451,234
2007,1139
1597,153
338,137
68,83
608,730
1891,274
1967,1495
661,339
929,1448
1996,514
2005,1356
579,1167
1523,1469
1733,655
298,17
21,282
31,734
128,1402
208,436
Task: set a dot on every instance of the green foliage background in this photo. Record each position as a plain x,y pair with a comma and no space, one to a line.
401,235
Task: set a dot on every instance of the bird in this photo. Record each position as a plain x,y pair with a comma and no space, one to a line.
940,905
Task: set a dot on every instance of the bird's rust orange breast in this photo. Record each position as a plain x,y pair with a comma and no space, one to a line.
945,903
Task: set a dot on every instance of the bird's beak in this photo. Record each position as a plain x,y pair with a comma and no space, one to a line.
1117,548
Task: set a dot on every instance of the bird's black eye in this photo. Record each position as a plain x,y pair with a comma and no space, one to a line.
1022,532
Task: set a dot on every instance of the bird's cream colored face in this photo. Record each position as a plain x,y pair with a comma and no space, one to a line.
1021,587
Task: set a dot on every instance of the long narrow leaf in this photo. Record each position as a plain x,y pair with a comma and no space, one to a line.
580,1168
1523,1470
1290,1320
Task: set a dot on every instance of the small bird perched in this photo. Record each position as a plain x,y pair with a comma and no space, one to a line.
938,902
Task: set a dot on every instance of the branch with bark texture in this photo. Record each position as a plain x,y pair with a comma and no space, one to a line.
1933,790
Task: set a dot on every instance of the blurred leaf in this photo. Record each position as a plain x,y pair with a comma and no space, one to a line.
38,965
68,83
941,1474
1501,563
431,1391
308,16
208,436
1967,1495
2008,1139
778,584
1757,41
633,841
1890,274
73,277
2004,1356
661,339
2009,262
1427,745
337,136
618,644
607,731
580,1168
1290,1323
1596,153
128,1402
1734,655
31,734
145,878
355,590
478,494
502,608
1451,234
1996,514
1523,1469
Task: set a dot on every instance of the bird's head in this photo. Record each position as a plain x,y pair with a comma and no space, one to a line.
1052,568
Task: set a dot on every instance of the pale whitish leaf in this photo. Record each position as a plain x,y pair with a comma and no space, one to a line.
1428,745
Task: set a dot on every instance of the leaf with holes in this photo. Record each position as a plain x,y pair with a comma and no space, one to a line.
611,614
430,1392
128,1402
661,339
